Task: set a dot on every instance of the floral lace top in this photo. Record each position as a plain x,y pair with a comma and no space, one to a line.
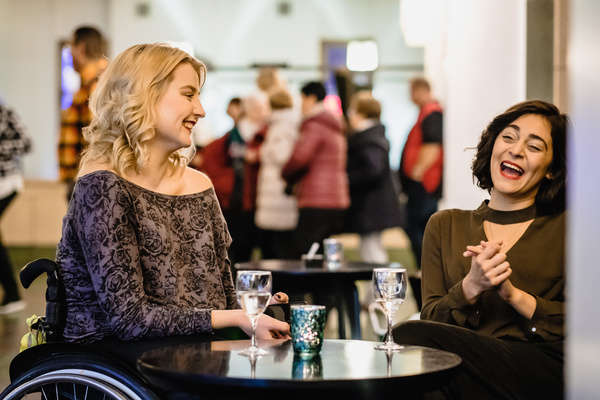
136,263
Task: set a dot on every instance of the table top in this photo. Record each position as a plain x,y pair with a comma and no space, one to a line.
296,267
351,365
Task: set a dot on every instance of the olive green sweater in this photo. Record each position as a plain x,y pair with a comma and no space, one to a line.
537,260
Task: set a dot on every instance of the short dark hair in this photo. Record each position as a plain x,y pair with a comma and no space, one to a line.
235,101
95,45
314,89
551,195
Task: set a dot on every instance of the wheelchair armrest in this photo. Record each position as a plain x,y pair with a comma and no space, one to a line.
36,268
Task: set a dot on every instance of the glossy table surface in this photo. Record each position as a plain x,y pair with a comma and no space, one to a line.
352,367
356,270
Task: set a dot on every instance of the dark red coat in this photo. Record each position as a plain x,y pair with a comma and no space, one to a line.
318,164
217,165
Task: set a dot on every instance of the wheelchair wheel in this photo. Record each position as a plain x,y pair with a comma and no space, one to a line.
61,385
71,378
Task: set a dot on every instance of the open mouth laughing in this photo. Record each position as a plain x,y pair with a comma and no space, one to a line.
511,170
189,124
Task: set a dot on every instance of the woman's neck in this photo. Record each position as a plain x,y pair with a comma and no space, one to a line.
501,202
158,176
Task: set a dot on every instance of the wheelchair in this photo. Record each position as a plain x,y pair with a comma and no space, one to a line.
58,370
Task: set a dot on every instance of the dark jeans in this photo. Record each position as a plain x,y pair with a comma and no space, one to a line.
7,279
419,208
244,234
276,244
314,225
492,368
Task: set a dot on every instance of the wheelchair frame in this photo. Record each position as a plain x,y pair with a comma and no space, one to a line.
59,370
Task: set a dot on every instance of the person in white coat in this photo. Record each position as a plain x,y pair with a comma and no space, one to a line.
276,211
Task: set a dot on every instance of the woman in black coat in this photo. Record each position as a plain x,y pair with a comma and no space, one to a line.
374,202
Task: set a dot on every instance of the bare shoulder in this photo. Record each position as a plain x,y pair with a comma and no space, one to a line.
94,167
196,181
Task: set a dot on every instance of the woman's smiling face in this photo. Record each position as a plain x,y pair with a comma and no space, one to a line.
179,109
521,158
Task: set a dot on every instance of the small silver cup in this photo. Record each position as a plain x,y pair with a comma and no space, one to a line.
334,253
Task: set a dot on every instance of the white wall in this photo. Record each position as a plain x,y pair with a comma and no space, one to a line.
482,55
231,33
30,33
583,363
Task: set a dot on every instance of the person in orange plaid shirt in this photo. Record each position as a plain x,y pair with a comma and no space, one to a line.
88,49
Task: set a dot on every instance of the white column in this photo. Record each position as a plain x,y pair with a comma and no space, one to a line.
583,303
482,65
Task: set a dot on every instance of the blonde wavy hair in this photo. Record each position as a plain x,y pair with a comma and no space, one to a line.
124,106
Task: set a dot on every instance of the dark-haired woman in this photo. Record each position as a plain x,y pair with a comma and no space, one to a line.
494,277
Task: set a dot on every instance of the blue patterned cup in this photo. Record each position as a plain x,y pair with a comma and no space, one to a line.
307,324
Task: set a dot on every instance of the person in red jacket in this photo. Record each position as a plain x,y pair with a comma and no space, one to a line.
317,171
421,165
231,162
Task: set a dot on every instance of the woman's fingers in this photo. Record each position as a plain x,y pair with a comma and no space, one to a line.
492,247
280,335
271,328
499,273
473,251
279,298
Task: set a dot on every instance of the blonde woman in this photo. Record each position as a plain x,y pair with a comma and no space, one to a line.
144,245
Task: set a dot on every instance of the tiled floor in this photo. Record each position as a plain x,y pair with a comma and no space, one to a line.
13,326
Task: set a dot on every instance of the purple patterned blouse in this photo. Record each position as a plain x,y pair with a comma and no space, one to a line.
136,263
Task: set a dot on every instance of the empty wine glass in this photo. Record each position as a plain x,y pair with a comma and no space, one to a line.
390,289
253,293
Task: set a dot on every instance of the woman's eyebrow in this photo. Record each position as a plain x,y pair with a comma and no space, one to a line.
536,137
189,87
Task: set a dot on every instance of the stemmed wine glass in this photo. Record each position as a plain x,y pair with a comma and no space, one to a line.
253,293
390,290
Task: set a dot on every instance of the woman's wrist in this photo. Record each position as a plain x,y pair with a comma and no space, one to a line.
227,318
524,303
470,292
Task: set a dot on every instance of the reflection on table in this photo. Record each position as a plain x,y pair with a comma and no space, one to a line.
349,368
294,278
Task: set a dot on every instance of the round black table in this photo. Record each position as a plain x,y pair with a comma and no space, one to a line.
294,278
345,369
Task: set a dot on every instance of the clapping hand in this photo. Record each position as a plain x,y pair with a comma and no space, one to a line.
489,270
